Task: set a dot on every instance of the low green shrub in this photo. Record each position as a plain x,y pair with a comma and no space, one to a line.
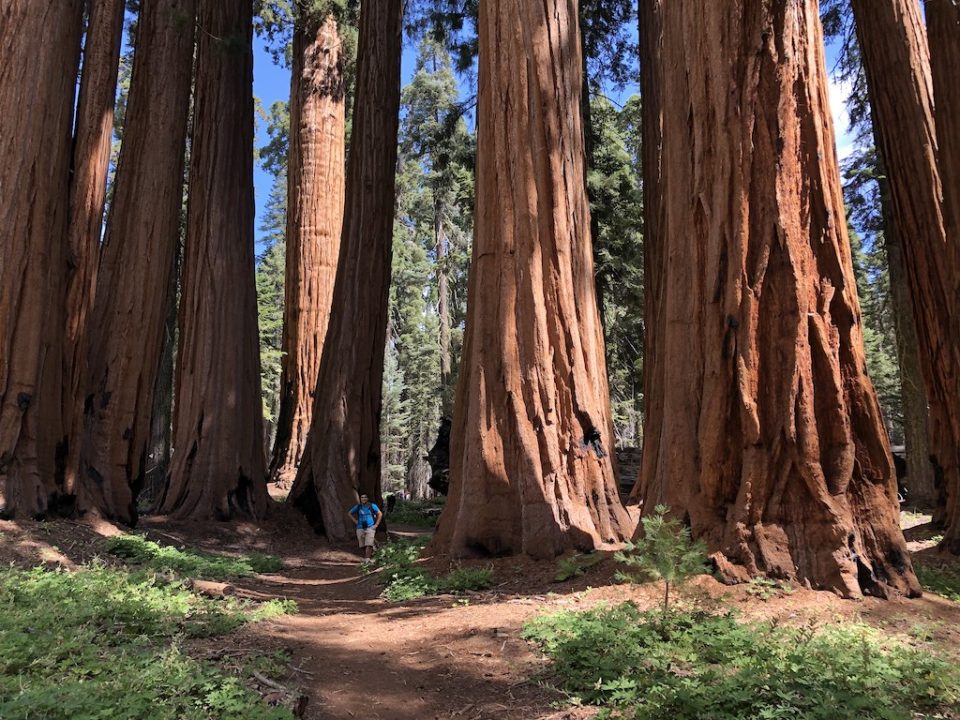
103,643
405,580
419,513
941,580
644,666
191,563
576,566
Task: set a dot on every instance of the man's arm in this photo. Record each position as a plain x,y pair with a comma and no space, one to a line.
354,518
376,522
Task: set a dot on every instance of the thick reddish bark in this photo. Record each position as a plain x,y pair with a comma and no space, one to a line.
218,464
315,187
530,470
88,190
896,59
650,16
126,334
342,455
772,449
943,23
39,51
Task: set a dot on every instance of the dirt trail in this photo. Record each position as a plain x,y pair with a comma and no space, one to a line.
356,655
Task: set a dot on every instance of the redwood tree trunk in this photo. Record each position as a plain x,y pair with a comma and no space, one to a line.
315,177
650,16
88,189
126,335
342,455
218,464
943,22
896,60
773,447
530,468
39,51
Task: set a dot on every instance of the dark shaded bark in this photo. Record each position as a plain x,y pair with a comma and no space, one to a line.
772,445
218,464
342,454
650,16
137,260
39,53
943,23
160,444
530,466
88,189
896,59
315,181
921,489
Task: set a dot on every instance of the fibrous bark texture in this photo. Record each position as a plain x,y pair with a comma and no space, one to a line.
88,189
530,470
896,59
315,177
218,464
342,455
126,335
651,89
771,441
921,489
39,52
943,23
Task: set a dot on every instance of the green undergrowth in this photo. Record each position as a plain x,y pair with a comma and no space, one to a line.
695,665
192,563
404,579
940,579
419,513
100,642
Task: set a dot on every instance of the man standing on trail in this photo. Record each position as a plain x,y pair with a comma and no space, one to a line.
367,517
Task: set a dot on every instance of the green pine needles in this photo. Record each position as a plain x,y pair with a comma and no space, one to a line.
666,554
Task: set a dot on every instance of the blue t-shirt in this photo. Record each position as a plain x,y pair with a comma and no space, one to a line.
366,515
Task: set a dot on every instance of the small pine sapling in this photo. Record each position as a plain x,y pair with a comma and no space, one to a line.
666,553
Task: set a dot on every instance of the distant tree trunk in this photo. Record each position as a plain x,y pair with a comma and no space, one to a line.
143,228
315,177
921,490
943,23
896,59
218,467
650,15
773,447
88,188
342,454
530,466
443,303
39,52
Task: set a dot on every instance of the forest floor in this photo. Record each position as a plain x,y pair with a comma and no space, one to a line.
353,654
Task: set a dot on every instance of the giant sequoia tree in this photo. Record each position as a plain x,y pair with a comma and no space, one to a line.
139,247
88,189
896,59
342,454
530,451
218,468
943,23
39,50
315,187
771,443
